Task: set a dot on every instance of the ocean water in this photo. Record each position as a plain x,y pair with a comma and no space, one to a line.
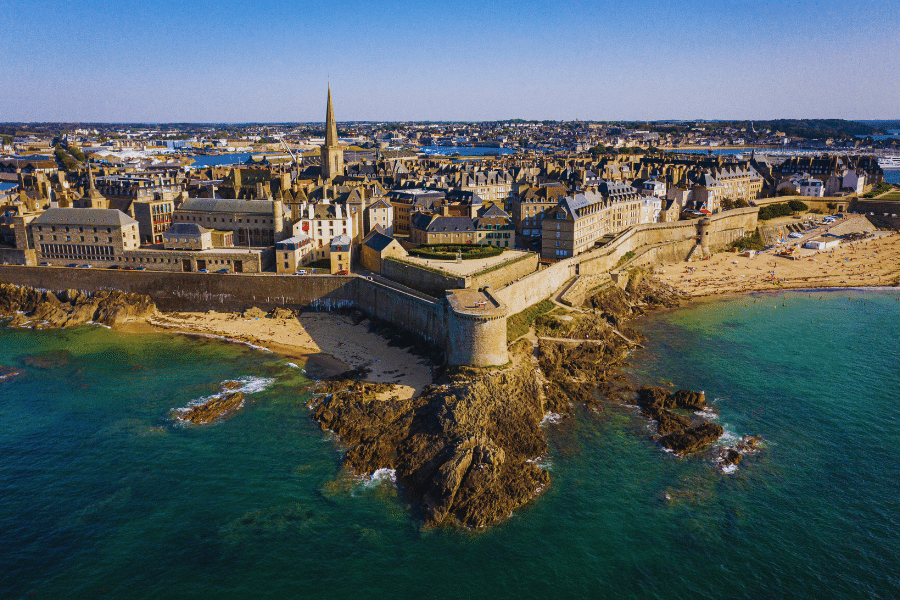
103,495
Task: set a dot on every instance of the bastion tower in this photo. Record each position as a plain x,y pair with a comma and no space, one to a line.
332,154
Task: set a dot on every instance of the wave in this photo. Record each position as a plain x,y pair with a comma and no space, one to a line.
551,418
542,462
249,385
381,475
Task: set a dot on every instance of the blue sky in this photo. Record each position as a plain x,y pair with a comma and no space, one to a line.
165,61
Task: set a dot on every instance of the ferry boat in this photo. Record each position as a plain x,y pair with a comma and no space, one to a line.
889,162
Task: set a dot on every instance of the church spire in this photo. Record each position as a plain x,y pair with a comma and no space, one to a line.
331,138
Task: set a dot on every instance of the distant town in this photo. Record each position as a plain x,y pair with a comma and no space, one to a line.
304,200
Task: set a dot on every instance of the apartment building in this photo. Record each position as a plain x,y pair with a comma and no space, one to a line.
293,253
530,206
739,182
322,222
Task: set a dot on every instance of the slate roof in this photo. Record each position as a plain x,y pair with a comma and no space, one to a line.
185,229
256,207
340,240
579,201
91,217
377,240
443,224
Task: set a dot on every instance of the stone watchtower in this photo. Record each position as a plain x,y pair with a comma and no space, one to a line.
332,154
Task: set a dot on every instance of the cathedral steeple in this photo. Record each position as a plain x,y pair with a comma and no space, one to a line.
332,155
331,137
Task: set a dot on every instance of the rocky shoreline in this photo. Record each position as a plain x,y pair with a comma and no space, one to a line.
466,450
28,307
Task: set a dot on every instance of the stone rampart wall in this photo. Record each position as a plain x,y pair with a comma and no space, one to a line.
507,273
538,286
879,207
194,291
675,240
12,256
429,281
427,319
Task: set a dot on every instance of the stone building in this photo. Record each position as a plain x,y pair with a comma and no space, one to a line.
530,206
430,228
322,222
255,223
339,255
377,246
187,236
293,253
493,226
409,201
380,214
94,236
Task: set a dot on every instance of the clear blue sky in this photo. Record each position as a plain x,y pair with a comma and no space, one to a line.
165,61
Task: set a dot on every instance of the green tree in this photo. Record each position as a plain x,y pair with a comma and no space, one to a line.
76,152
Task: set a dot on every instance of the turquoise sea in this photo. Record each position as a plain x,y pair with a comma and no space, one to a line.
101,495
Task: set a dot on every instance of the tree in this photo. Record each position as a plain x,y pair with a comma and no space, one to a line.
76,152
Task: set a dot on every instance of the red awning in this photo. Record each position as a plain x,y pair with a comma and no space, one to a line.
705,212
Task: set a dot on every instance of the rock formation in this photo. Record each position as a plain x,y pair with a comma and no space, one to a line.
39,310
214,408
462,449
692,439
465,450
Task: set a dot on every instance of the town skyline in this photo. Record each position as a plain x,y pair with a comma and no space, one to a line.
219,63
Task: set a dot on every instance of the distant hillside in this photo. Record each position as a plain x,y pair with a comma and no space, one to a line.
811,128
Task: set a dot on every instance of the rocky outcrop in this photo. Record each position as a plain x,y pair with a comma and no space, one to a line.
679,433
667,421
462,449
657,398
692,439
8,373
214,408
41,310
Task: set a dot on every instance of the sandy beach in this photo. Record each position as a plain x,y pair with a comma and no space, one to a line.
322,343
874,262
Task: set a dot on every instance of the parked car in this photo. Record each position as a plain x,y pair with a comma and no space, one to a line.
203,270
301,272
113,267
343,272
85,267
222,271
72,266
45,264
795,235
140,268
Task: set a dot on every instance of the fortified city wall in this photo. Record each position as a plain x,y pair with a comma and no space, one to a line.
469,324
433,320
660,243
433,281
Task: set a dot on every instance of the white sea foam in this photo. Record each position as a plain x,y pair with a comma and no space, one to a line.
551,418
729,469
381,475
729,437
251,385
708,413
293,366
541,462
